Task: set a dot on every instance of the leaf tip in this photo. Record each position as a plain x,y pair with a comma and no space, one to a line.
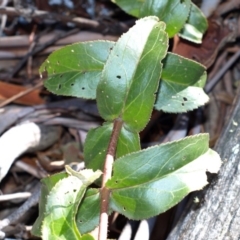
215,164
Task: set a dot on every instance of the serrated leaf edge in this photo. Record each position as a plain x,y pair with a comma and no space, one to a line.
189,109
42,70
215,169
167,143
78,234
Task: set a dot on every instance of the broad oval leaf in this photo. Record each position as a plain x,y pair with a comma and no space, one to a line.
180,70
88,220
75,70
182,99
127,142
96,145
47,185
151,181
174,13
180,89
62,205
195,26
86,176
131,74
132,7
155,162
97,140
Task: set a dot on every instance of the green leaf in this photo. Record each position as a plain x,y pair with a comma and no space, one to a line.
130,6
183,98
131,74
62,205
174,13
88,220
180,70
139,167
151,181
75,70
127,142
181,85
97,140
95,146
195,26
47,185
202,81
87,176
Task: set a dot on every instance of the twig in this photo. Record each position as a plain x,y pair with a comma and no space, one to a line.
129,230
80,22
40,48
198,121
218,64
13,196
211,84
70,122
22,41
145,228
179,129
107,172
16,215
3,17
32,43
29,169
208,7
227,7
27,137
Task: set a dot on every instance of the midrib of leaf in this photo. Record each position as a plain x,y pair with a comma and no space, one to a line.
79,71
91,56
131,82
157,177
79,182
177,83
84,48
189,145
70,70
130,79
164,13
167,12
142,57
76,73
140,185
72,227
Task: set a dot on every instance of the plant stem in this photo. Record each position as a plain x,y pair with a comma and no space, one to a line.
107,173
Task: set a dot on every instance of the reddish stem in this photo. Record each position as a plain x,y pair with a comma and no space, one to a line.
107,173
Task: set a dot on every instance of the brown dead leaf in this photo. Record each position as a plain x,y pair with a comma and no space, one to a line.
8,90
214,39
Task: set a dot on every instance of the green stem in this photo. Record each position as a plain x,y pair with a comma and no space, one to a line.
107,173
